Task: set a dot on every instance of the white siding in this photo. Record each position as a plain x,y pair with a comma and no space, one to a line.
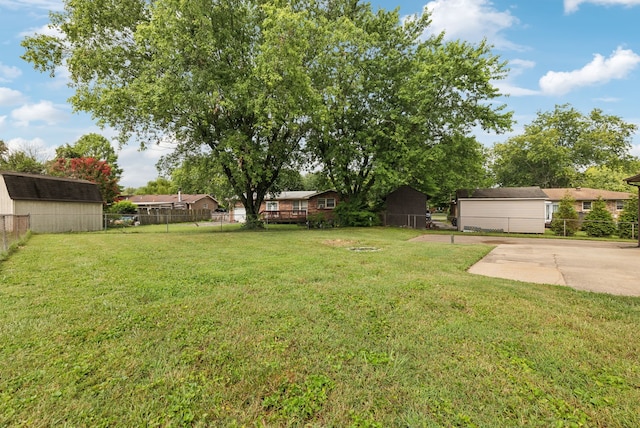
509,215
53,217
6,204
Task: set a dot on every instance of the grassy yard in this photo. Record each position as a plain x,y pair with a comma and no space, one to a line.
290,327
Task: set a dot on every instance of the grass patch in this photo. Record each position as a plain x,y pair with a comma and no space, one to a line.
288,327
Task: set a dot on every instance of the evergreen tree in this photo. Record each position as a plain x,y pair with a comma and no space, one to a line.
599,222
565,220
629,217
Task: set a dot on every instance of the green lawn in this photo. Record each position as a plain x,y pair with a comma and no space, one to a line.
289,327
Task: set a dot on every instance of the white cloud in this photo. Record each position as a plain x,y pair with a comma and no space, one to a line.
516,68
44,30
38,4
571,6
2,120
599,71
607,99
44,111
139,167
8,73
471,20
507,88
9,97
35,147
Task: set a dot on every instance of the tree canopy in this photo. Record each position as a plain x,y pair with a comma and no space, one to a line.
267,86
20,160
558,147
391,99
91,169
91,146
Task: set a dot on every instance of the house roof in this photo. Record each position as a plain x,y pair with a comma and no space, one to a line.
21,186
167,199
295,195
502,193
634,179
585,194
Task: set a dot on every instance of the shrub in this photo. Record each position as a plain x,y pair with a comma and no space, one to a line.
319,221
253,224
628,216
355,215
599,222
123,207
565,220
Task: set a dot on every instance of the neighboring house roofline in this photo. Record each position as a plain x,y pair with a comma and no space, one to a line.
585,194
532,192
634,179
173,198
292,195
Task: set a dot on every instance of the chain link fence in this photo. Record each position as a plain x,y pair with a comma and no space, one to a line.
413,221
13,228
164,217
622,229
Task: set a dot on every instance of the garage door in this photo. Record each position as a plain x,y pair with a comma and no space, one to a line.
240,215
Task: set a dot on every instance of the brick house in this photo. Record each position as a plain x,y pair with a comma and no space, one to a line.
292,206
584,198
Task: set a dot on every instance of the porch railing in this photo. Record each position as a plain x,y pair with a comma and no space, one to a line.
284,216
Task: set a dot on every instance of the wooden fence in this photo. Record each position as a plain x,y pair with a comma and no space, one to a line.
167,215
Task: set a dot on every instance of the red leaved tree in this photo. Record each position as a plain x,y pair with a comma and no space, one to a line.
90,169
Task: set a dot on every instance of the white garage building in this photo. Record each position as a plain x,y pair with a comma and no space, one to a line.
506,209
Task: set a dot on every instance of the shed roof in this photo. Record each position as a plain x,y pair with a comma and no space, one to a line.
21,186
585,194
502,193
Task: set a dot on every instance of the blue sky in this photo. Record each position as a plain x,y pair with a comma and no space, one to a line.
582,52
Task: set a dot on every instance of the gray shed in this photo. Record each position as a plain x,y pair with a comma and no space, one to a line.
506,209
54,204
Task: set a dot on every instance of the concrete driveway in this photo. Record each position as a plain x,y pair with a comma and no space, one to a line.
603,267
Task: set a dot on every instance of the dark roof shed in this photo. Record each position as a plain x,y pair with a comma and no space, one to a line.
34,187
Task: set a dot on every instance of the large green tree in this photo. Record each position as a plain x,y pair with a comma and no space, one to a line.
159,186
558,146
610,178
91,145
390,98
229,75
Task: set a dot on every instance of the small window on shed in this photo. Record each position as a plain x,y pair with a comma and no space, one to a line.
586,206
619,205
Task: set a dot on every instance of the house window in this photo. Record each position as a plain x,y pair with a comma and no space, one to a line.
326,203
205,206
300,205
619,205
586,206
272,206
